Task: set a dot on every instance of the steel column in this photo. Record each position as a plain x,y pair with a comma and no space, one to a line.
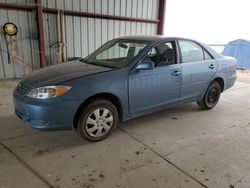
162,11
41,35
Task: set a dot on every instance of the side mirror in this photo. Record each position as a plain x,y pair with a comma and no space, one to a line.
145,65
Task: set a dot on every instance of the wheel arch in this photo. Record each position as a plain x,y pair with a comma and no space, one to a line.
108,96
221,82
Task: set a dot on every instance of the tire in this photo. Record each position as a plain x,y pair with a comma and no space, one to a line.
97,120
211,96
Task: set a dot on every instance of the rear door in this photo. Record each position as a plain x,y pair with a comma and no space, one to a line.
198,68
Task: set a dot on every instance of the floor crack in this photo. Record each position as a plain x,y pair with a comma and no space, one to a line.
239,181
27,166
165,159
13,137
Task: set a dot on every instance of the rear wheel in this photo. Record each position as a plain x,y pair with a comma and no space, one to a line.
211,96
97,120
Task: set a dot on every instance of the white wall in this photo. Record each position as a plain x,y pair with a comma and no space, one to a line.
211,21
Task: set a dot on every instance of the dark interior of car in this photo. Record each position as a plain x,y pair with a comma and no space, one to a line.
162,54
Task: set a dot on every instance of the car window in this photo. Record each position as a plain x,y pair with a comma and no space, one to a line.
191,52
162,54
121,50
152,52
207,56
116,53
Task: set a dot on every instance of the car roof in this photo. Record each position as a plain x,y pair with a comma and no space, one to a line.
150,38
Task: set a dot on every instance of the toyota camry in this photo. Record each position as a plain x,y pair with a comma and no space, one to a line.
125,78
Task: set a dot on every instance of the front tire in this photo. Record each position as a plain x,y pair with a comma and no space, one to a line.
98,120
211,96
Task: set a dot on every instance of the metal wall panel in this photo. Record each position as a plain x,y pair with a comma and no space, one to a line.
51,36
144,8
18,1
84,35
23,48
81,35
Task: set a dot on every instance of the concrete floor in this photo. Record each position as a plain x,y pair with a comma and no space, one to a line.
179,147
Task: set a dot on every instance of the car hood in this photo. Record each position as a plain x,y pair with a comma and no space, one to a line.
60,73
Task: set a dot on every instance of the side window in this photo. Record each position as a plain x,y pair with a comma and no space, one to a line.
162,54
190,51
152,52
207,56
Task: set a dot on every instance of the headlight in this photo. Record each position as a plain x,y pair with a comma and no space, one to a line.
48,92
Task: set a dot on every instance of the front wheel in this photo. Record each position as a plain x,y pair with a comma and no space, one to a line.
211,96
97,120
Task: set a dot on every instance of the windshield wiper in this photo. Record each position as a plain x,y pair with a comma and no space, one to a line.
98,64
102,65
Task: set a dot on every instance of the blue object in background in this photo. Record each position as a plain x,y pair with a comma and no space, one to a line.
239,49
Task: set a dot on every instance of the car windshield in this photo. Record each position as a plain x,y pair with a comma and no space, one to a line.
116,53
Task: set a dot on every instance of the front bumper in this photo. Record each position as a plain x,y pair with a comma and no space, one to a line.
52,114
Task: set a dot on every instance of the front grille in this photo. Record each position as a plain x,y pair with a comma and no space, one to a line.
22,90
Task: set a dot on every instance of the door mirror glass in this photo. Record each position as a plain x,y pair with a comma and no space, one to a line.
145,65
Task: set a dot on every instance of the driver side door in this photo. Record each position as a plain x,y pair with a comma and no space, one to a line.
149,90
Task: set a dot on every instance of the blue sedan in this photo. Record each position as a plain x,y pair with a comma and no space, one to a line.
125,78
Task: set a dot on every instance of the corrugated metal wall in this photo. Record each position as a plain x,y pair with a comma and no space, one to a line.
23,2
82,35
23,48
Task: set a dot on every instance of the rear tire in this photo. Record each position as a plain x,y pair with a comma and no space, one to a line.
98,120
211,96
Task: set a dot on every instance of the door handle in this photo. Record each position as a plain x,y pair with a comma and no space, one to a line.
176,73
211,66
